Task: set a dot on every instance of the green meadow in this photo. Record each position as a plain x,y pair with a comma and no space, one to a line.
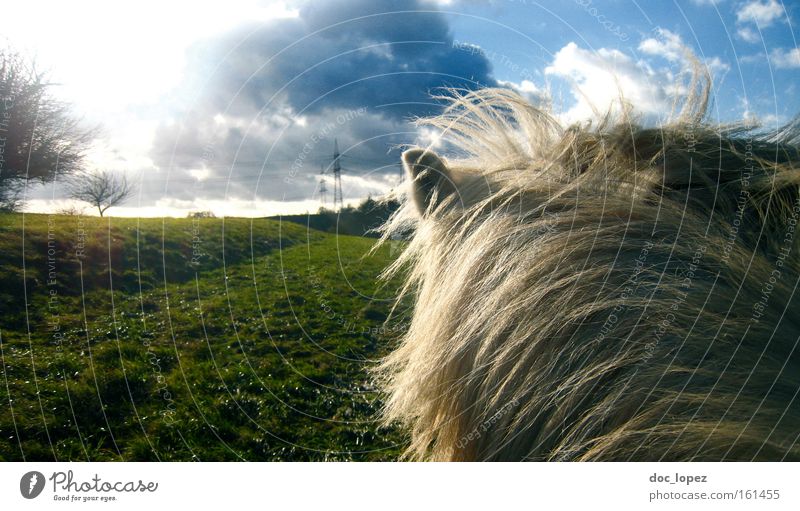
190,339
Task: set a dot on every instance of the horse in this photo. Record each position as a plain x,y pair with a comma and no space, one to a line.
596,291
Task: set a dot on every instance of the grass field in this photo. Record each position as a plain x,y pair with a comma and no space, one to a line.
182,339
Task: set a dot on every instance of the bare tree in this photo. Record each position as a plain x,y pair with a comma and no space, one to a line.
71,210
101,189
39,136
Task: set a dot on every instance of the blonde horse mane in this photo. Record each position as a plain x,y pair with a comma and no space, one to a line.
597,292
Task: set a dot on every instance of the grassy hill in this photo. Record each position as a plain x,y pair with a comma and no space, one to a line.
182,339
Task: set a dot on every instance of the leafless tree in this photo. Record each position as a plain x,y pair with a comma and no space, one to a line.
101,189
71,210
40,137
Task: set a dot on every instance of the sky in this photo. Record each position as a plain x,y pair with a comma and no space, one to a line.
234,106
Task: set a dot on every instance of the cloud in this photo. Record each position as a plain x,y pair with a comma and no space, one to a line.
668,45
346,53
762,13
756,58
601,77
272,97
755,111
717,68
785,58
101,65
749,35
530,91
780,58
179,208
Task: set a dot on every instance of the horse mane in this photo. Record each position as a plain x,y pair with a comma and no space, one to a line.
598,291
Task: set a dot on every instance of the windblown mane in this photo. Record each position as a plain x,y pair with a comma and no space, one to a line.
607,292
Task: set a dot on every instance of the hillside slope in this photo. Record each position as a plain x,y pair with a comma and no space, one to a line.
180,339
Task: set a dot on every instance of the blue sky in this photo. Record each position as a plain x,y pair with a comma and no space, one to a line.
234,106
739,34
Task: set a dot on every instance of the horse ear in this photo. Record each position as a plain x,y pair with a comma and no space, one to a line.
430,179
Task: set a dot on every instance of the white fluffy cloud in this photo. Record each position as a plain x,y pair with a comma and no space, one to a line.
602,77
717,67
530,91
785,59
754,16
668,45
762,13
749,35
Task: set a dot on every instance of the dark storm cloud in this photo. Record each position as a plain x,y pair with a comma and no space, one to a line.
347,54
269,89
